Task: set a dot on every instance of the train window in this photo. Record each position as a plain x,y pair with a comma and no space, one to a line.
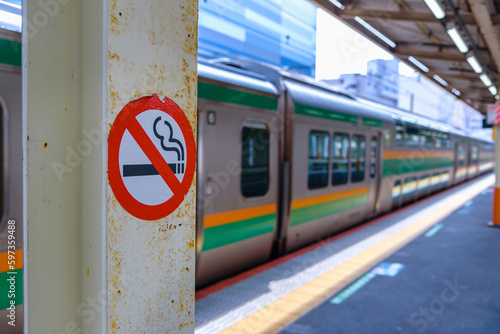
318,159
446,141
437,139
427,138
421,139
474,155
340,158
254,159
461,155
387,138
373,157
400,130
412,135
358,149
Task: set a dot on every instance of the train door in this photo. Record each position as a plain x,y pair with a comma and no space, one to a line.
237,189
474,159
374,170
460,163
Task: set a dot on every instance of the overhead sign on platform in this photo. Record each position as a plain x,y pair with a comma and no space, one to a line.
151,157
493,114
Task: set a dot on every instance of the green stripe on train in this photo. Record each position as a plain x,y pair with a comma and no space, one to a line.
226,234
11,52
372,122
5,288
306,214
306,110
230,95
402,166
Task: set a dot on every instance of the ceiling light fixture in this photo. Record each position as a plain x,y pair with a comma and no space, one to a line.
474,64
485,79
375,32
435,8
457,39
456,92
440,80
418,64
493,90
338,4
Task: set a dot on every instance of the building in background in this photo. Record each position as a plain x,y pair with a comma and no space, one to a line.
380,84
416,94
421,96
280,32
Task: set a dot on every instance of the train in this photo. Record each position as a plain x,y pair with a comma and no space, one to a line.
283,161
11,175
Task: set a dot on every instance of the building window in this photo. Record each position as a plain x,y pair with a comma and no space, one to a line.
319,152
340,158
358,149
254,159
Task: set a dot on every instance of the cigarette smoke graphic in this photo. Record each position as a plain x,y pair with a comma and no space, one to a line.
158,126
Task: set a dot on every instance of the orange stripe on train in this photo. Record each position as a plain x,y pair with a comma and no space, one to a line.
238,215
4,260
301,203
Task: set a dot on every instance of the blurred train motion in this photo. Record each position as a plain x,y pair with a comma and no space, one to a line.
11,198
284,161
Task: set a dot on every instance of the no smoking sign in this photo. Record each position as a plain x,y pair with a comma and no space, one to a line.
151,157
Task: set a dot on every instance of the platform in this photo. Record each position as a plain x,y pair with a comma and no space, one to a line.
429,267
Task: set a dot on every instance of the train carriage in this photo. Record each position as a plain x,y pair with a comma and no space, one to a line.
238,124
319,161
335,156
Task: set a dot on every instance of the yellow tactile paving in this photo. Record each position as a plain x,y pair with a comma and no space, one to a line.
277,315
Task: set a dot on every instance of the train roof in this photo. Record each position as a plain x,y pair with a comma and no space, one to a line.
235,76
304,90
424,121
317,96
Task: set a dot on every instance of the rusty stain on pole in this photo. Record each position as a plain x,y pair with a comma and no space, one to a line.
152,49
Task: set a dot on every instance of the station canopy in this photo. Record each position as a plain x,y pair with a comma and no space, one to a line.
452,42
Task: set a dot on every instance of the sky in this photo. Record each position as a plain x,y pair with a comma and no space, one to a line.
344,51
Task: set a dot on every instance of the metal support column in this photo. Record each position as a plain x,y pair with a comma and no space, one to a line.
496,194
90,265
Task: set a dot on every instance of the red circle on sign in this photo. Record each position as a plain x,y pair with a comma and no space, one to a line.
126,120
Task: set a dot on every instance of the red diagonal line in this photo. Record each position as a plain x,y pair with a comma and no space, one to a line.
147,146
